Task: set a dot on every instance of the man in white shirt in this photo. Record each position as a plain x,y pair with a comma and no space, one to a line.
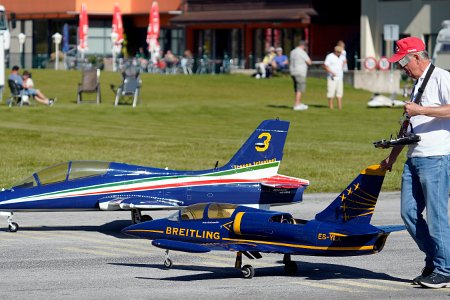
425,180
335,77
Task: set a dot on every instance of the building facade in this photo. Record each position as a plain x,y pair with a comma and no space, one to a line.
241,30
421,18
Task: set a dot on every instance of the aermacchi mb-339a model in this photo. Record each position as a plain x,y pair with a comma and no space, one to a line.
342,229
249,178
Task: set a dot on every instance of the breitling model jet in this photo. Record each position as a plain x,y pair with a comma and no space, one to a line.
342,229
249,178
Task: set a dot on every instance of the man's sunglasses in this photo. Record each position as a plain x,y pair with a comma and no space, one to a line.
404,61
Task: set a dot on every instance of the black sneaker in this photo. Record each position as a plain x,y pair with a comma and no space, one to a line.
435,281
425,272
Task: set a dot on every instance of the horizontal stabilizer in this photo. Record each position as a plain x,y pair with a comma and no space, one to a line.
286,182
391,228
180,246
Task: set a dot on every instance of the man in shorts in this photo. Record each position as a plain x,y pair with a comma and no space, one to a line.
298,67
334,66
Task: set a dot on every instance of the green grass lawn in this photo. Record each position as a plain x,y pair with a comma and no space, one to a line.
190,122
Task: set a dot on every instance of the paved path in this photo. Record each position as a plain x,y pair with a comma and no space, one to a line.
82,255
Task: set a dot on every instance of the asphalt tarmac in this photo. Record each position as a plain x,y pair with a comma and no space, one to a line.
83,255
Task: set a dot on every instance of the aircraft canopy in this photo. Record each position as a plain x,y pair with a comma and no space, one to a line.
66,171
211,211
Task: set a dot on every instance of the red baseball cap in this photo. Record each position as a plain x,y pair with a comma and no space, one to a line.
406,46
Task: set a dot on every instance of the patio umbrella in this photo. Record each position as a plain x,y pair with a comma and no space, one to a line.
153,32
83,30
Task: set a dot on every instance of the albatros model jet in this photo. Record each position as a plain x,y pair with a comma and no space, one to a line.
249,178
342,229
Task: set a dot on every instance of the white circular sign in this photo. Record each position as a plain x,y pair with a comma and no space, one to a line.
383,64
370,63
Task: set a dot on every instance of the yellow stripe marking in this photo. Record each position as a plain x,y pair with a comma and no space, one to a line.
325,286
146,230
367,285
373,198
237,222
399,283
299,246
337,234
368,202
374,170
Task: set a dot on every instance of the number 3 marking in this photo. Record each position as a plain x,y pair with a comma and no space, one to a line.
266,142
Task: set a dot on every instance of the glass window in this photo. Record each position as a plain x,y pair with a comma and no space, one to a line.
445,48
3,23
27,183
220,211
193,212
174,216
283,218
80,169
53,174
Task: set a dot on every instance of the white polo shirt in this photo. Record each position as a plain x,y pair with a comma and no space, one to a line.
434,132
335,64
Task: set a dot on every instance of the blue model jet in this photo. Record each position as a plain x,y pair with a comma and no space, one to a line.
342,229
249,178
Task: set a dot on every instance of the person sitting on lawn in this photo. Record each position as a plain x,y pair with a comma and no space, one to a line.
26,83
281,61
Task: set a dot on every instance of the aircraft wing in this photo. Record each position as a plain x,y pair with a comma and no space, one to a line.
250,247
144,203
233,246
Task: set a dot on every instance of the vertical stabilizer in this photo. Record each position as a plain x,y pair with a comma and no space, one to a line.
356,203
264,146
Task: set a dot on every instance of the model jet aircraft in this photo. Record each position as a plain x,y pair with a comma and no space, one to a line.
342,229
249,178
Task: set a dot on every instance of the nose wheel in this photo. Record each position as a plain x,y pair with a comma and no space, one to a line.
167,261
12,226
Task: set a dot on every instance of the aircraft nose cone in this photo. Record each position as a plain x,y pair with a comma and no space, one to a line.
132,230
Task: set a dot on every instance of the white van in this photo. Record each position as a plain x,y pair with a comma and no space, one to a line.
441,54
4,28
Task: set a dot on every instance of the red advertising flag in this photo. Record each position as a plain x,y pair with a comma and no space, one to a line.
153,27
83,29
117,25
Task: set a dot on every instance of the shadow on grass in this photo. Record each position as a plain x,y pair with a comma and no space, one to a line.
307,271
290,107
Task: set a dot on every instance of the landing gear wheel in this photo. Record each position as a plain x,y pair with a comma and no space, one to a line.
248,272
168,263
290,268
13,227
145,218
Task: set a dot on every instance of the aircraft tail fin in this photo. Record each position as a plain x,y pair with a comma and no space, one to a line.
356,203
264,146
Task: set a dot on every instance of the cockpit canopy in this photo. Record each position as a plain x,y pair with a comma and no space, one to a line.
66,171
208,210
